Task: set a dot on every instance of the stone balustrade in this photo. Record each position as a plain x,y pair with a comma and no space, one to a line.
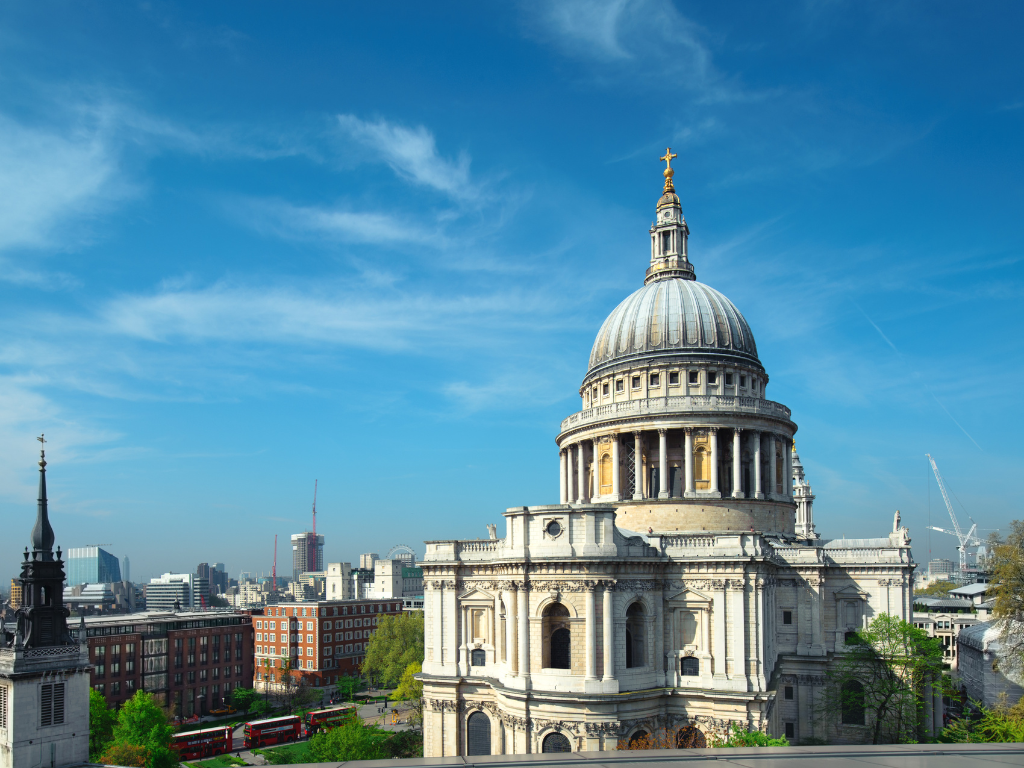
701,404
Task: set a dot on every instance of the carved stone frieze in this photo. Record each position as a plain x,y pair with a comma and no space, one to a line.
635,585
811,679
564,586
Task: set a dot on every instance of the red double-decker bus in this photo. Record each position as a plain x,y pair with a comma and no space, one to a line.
205,743
276,730
324,719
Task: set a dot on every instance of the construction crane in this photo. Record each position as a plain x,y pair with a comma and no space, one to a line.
965,539
274,572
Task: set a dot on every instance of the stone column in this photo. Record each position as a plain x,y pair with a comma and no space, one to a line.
451,617
524,633
787,487
464,640
773,480
591,639
688,462
713,434
719,597
581,470
737,464
597,470
758,490
738,622
616,469
638,467
563,494
511,616
608,639
496,637
663,486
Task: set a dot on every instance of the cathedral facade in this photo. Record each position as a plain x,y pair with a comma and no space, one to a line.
679,585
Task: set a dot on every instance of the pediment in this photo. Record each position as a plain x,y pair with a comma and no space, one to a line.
688,595
850,592
476,595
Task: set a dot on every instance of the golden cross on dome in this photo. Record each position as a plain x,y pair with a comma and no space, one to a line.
668,172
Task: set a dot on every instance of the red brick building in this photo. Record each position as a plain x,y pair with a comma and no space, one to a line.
324,640
190,661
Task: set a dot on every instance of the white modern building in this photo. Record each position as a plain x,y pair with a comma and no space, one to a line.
177,591
679,584
339,582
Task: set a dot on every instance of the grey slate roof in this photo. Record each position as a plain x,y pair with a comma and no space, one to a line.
672,316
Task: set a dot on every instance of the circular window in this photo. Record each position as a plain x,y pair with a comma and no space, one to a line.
554,528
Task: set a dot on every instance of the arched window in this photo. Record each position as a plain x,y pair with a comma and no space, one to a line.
635,621
606,474
690,666
557,636
478,658
638,740
478,734
691,737
555,742
700,465
853,702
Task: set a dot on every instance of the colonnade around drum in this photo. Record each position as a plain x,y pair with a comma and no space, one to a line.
709,462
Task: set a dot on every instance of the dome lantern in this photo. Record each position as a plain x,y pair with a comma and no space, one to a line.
669,233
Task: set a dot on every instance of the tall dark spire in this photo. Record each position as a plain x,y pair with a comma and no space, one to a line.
42,533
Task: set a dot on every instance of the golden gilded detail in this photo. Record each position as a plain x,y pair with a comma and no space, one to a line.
668,157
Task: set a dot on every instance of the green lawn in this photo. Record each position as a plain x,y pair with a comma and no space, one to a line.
221,761
295,752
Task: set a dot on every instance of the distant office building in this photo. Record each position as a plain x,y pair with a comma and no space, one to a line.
941,567
92,599
15,593
189,591
307,553
362,582
91,565
339,581
394,578
367,559
126,569
216,575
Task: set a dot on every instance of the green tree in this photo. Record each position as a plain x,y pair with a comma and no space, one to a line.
101,723
1001,723
1008,579
348,685
740,737
395,644
879,680
142,723
353,741
411,689
243,698
938,588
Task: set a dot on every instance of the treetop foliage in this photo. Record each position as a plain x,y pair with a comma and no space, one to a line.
1008,580
140,733
395,644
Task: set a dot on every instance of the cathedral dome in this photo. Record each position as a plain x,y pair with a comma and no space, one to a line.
672,317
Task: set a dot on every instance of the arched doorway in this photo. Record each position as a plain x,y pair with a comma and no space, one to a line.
691,737
478,734
556,742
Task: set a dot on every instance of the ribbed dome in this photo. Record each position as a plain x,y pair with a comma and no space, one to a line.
673,316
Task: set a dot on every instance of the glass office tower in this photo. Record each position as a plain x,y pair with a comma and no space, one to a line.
91,565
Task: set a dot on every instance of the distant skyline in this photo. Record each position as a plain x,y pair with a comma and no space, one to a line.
248,247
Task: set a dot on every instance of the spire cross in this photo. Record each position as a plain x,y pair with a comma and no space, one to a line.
42,440
668,172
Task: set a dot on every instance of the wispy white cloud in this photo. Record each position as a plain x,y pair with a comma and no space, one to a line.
339,224
630,37
412,154
50,178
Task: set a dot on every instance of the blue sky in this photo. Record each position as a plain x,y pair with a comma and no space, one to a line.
245,246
